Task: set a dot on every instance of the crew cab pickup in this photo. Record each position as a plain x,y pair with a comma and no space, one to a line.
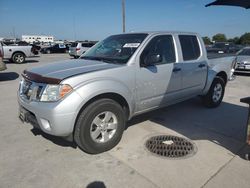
17,54
90,99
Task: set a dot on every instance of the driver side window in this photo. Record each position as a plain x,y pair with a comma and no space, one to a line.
161,47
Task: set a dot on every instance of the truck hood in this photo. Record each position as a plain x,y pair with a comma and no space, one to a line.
64,69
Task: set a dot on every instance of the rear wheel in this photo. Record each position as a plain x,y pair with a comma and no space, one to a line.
215,94
100,126
48,52
18,58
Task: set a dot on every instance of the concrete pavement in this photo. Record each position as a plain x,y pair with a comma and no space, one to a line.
29,158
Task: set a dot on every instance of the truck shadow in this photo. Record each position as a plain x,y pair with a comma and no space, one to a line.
8,76
56,140
224,126
26,61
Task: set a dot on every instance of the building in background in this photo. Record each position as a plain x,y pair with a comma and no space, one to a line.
37,38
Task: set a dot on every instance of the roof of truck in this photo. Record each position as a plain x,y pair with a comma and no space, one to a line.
162,32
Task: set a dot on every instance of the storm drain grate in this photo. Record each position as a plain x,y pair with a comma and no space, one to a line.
170,146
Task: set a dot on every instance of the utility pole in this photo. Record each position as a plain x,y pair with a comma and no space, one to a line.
123,17
14,32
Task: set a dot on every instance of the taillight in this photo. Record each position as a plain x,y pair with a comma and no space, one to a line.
77,49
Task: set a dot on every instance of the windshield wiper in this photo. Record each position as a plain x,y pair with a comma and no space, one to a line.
103,59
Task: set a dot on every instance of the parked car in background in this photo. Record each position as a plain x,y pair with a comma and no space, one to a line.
91,98
2,64
18,54
242,61
223,47
57,48
78,48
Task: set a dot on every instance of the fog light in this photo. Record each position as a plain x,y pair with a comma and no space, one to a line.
46,124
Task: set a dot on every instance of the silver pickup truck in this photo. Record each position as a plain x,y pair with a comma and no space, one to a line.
90,99
17,54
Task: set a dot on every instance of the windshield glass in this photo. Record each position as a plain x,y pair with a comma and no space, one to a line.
245,52
115,49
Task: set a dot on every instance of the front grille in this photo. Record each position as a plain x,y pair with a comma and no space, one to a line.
30,90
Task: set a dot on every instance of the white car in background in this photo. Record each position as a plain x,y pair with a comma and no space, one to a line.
78,48
243,61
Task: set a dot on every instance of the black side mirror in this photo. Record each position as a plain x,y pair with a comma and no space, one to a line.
152,59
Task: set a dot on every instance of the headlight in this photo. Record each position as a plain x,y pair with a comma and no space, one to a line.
53,93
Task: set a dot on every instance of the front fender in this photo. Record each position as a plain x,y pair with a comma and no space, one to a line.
94,88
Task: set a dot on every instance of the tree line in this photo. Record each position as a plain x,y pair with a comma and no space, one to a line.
220,37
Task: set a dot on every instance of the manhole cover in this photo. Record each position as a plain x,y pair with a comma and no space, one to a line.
170,146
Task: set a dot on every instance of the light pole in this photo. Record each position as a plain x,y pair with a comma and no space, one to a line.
123,17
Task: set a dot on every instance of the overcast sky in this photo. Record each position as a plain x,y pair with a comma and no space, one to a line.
96,19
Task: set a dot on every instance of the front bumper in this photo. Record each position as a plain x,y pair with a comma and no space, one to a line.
55,118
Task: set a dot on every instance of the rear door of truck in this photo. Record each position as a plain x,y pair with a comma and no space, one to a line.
193,65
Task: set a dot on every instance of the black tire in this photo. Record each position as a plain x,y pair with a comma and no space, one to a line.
75,57
48,52
82,135
18,58
209,99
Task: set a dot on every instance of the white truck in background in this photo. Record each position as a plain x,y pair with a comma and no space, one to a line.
18,54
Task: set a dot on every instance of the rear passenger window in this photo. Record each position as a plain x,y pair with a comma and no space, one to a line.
190,47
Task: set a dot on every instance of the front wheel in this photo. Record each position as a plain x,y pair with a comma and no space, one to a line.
215,94
18,58
100,126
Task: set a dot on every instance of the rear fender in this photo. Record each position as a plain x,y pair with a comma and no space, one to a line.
211,75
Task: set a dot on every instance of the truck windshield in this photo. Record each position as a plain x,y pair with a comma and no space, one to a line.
115,49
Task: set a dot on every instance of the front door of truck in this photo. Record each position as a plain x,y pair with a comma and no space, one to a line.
158,79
